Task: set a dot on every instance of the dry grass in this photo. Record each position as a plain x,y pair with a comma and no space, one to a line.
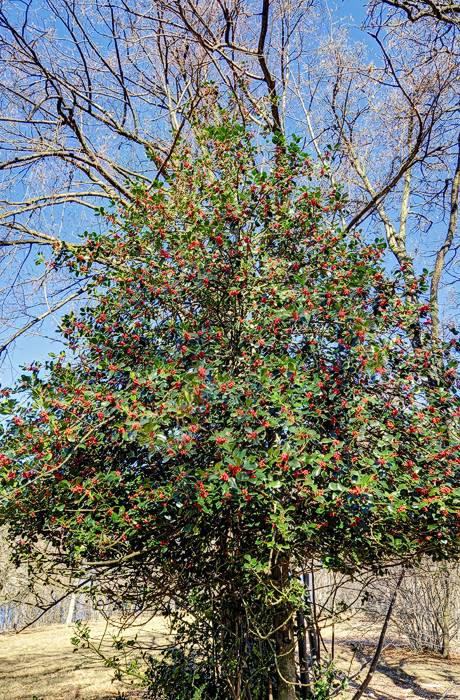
42,663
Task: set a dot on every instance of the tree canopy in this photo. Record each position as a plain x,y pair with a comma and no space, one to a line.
248,389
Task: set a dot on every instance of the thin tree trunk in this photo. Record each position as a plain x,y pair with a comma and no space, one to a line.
445,634
71,610
364,685
445,618
303,656
313,637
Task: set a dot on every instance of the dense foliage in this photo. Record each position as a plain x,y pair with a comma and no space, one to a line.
247,390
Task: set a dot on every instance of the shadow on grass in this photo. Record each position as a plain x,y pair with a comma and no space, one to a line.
402,679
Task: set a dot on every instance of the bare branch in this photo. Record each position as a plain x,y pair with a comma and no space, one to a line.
42,316
442,252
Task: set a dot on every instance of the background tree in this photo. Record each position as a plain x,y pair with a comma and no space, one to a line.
442,11
426,614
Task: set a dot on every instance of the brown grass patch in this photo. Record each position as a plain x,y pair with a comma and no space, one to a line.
43,662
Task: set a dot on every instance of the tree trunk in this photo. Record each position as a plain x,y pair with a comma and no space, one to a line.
445,634
310,619
373,665
285,638
286,662
71,610
303,657
445,615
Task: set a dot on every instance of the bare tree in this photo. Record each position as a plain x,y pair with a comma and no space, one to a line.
392,112
427,613
415,10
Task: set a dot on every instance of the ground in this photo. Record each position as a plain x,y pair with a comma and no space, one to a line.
42,663
401,674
